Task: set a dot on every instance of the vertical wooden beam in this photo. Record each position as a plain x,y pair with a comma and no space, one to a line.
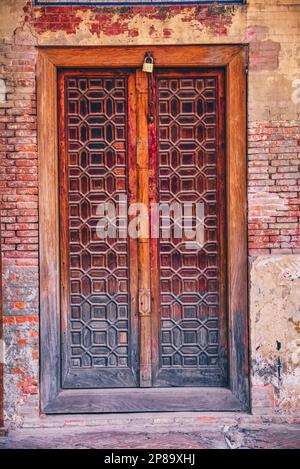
154,226
237,227
133,245
49,230
143,239
62,181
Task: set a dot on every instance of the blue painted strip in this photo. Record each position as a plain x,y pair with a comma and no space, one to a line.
138,2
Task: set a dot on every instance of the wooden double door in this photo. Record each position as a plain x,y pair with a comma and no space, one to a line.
145,310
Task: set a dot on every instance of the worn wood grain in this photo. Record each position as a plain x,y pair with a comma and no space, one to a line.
63,226
143,239
94,376
145,400
210,165
49,232
133,243
231,57
237,227
133,56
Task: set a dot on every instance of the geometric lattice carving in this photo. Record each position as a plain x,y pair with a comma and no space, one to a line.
189,282
96,125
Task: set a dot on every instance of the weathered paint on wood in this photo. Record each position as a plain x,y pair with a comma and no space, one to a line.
50,59
144,400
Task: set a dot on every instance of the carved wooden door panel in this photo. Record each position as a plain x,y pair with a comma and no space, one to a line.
99,322
187,162
149,311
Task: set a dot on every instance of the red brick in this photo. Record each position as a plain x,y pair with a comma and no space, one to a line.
273,186
274,162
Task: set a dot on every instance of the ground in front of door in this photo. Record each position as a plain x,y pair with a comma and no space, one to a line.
155,431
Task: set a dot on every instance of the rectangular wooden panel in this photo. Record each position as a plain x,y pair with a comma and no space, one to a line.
143,238
191,339
48,230
99,343
236,90
89,401
133,56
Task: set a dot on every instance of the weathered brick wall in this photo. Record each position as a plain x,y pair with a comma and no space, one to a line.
19,219
273,32
273,187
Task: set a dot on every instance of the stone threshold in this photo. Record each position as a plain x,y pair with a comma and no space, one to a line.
157,421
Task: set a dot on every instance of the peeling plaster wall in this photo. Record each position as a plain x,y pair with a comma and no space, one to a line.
275,328
272,29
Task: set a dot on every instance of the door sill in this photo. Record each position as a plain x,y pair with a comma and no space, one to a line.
85,401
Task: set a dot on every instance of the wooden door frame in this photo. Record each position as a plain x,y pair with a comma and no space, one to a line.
233,58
